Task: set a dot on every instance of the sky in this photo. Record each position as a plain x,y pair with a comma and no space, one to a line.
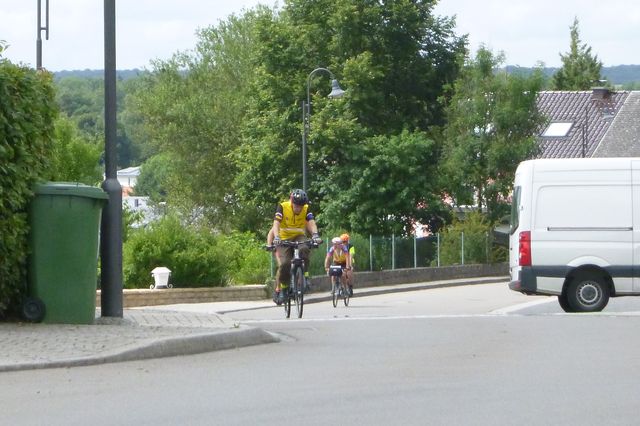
527,32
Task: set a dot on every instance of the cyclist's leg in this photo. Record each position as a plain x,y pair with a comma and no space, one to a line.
350,280
283,275
305,253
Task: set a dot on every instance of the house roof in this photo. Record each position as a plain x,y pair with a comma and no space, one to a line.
129,171
623,137
589,116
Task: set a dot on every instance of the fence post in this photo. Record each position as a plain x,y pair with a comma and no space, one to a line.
438,249
462,247
486,247
370,252
415,252
393,251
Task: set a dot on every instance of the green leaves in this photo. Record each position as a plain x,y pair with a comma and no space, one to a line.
491,121
27,113
580,69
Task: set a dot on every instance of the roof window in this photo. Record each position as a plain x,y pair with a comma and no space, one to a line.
558,129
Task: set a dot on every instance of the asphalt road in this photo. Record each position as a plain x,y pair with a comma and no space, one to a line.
460,356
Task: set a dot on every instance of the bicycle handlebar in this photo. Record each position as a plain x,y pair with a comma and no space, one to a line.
294,244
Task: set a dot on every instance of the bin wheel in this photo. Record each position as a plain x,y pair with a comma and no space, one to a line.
152,286
33,309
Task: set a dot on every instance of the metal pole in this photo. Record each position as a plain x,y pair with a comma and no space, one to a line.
415,252
393,251
305,133
111,230
462,247
585,130
336,92
39,31
370,252
438,248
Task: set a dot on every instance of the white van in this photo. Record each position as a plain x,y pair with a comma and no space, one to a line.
575,230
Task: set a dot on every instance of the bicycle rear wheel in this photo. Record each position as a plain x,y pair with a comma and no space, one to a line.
298,289
336,292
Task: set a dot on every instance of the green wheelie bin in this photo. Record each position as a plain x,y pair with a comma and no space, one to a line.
62,267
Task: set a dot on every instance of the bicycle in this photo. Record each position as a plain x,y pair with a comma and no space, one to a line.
295,290
339,288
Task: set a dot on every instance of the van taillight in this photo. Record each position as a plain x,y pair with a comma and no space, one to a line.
524,252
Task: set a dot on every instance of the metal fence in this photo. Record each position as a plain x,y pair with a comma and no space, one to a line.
387,253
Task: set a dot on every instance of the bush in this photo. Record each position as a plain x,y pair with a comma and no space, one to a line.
245,261
192,255
478,244
27,114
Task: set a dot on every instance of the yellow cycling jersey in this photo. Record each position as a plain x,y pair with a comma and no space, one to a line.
339,257
291,224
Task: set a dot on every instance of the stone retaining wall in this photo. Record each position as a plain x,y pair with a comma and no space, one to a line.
170,296
144,297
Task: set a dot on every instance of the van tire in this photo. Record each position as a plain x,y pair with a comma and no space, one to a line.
587,292
564,303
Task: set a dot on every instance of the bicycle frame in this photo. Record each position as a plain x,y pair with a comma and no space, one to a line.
296,287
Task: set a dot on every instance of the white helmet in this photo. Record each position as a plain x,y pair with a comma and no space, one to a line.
336,240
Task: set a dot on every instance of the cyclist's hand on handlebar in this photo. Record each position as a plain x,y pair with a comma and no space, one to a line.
270,248
316,239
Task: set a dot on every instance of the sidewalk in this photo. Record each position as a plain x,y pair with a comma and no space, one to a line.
154,332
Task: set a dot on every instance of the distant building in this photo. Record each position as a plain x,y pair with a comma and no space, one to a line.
128,178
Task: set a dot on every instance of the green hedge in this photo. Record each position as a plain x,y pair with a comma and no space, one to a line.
27,114
195,256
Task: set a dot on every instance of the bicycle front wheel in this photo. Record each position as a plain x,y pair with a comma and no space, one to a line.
336,292
345,292
298,289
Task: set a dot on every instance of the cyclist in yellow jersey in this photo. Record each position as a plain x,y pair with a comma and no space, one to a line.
292,222
338,254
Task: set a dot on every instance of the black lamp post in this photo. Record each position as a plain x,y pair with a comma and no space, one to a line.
111,227
336,92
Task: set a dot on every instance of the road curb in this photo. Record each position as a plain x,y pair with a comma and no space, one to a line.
161,348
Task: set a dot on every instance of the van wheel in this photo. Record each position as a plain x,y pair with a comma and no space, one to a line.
587,293
564,302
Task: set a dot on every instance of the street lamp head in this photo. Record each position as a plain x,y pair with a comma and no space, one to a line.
336,90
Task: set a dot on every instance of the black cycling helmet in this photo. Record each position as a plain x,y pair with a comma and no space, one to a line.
299,197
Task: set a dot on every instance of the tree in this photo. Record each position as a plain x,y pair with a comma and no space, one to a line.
392,57
74,159
193,106
580,69
492,119
155,177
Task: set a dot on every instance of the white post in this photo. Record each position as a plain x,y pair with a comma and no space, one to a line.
462,247
438,248
415,252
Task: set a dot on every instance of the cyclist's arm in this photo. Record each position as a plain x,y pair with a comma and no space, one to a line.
275,228
328,257
348,260
312,228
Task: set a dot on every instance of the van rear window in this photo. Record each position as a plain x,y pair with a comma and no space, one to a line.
515,210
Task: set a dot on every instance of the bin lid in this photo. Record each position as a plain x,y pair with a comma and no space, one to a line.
70,188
